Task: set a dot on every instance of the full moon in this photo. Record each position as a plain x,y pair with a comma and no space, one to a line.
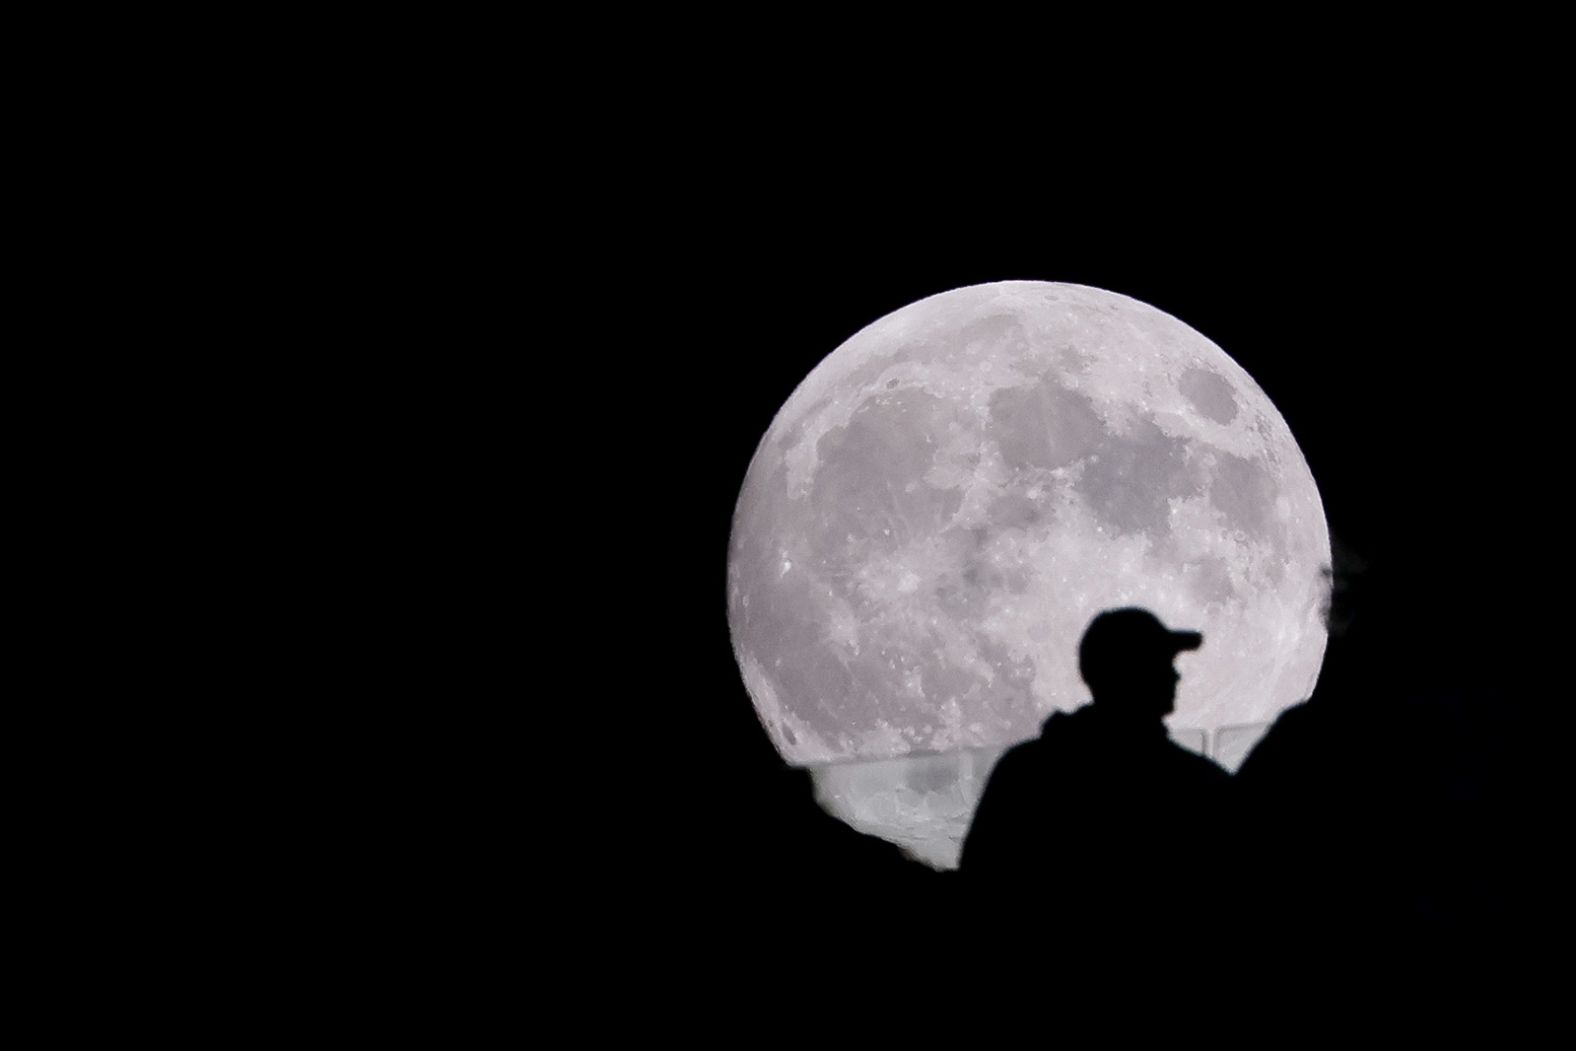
940,508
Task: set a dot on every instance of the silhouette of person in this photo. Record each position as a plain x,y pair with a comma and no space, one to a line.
1351,791
1103,806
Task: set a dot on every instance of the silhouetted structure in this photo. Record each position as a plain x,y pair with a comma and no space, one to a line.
1103,823
1373,802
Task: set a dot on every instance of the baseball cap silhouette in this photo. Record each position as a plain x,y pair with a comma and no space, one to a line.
1119,638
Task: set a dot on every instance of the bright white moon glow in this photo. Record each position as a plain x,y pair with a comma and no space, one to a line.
942,505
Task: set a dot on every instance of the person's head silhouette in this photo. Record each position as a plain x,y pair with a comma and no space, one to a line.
1125,658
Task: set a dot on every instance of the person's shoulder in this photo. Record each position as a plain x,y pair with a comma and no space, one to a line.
1296,717
1198,766
1019,755
1020,761
1060,725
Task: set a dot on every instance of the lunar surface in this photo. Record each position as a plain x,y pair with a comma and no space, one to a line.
945,502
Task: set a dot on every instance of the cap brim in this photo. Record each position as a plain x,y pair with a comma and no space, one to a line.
1186,640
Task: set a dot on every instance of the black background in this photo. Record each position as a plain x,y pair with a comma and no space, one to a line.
529,672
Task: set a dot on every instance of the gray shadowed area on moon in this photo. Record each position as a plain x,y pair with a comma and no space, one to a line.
938,510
